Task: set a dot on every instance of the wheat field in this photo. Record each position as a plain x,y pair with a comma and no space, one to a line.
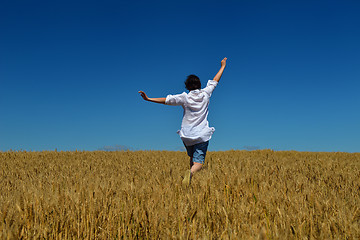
259,194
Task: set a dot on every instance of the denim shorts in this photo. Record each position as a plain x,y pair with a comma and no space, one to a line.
198,152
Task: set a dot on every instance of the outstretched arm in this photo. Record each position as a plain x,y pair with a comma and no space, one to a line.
155,100
219,74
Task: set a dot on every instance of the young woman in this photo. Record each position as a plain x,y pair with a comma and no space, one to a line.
195,131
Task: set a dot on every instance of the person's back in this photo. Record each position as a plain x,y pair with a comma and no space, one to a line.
195,131
195,126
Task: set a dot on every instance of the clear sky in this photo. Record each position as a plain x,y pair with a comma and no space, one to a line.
70,72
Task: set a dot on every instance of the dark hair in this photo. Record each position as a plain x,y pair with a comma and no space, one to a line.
192,82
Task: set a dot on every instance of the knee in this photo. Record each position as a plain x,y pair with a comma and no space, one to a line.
196,167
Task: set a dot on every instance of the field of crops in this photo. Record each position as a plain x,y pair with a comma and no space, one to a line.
125,195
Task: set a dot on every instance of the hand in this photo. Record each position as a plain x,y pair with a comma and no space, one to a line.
143,95
223,62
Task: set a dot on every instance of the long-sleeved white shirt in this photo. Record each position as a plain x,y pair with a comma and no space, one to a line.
195,126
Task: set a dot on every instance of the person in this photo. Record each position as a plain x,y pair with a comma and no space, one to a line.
195,131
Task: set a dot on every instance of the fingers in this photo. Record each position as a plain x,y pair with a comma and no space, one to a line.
223,62
143,95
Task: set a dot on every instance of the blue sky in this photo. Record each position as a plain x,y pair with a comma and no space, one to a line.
70,72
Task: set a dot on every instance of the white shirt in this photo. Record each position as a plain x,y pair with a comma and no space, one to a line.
195,126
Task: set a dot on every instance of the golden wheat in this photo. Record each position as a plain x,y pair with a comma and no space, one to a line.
125,195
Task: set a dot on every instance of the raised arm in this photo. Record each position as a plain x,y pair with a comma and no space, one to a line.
219,74
155,100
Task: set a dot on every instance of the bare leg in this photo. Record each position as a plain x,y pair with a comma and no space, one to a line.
195,167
